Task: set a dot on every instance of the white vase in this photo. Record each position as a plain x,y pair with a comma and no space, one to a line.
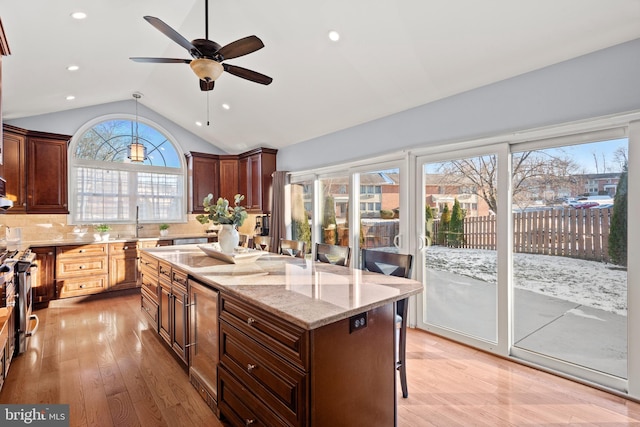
164,233
228,238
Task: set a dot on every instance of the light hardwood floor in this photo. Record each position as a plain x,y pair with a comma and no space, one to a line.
98,355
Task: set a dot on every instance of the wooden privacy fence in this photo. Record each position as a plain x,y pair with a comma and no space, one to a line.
576,233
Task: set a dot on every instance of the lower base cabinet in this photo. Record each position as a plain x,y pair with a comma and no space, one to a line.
274,373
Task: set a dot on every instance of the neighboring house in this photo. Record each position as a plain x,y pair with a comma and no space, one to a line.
596,184
441,191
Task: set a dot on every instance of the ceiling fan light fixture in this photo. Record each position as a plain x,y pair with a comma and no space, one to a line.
206,69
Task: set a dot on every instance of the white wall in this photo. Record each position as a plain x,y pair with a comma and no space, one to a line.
598,84
69,121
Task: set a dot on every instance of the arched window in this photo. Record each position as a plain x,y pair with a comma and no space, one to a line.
105,186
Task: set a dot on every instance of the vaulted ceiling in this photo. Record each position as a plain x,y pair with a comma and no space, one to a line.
391,56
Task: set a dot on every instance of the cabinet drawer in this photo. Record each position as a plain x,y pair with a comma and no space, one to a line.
82,286
276,382
74,267
80,250
150,308
240,407
149,263
164,271
285,339
123,249
179,278
150,285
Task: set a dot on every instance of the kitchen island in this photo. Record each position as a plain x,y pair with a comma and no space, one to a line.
300,343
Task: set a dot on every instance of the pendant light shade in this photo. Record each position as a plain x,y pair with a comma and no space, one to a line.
137,151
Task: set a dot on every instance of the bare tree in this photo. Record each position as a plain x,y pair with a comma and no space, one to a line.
536,175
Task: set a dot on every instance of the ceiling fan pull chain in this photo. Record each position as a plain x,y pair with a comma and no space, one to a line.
208,114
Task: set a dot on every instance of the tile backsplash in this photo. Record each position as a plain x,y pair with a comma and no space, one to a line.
39,228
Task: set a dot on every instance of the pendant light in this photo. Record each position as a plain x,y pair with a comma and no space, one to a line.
137,151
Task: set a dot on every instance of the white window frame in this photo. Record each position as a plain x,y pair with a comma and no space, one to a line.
74,163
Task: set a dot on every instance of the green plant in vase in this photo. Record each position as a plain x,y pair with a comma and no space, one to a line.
229,217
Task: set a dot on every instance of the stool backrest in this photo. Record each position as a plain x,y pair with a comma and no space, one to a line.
389,263
332,254
294,248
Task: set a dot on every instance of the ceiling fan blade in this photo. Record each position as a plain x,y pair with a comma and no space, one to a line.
161,60
173,35
206,85
241,47
247,74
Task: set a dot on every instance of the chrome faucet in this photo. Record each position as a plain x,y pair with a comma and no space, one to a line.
138,226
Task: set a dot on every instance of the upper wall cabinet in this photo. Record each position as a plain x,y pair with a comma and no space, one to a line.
255,182
203,179
227,175
35,167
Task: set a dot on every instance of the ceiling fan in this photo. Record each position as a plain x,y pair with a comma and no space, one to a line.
208,55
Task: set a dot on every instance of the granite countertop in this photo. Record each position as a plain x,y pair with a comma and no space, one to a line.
306,293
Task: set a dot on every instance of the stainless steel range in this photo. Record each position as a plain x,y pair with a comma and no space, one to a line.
27,323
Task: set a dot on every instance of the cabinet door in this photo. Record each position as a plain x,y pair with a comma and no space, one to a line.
43,277
123,273
229,178
13,170
243,181
46,175
165,312
255,182
203,174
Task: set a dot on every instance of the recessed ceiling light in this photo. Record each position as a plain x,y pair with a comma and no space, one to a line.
78,15
226,106
334,35
198,123
73,68
70,97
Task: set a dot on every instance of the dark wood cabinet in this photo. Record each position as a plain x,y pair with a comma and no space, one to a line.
203,179
254,178
173,304
229,177
47,174
14,167
43,276
35,167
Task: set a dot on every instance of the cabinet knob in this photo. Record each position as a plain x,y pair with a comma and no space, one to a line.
251,367
249,422
81,267
81,251
125,248
251,321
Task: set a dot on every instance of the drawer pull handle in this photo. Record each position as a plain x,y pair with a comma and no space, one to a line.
81,251
81,286
249,422
125,248
251,321
81,267
251,367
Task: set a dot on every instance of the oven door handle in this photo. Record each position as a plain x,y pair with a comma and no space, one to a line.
33,331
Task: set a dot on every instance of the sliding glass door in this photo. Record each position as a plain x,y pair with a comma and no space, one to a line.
458,199
570,254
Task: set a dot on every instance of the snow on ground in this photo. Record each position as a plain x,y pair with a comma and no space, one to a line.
591,283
